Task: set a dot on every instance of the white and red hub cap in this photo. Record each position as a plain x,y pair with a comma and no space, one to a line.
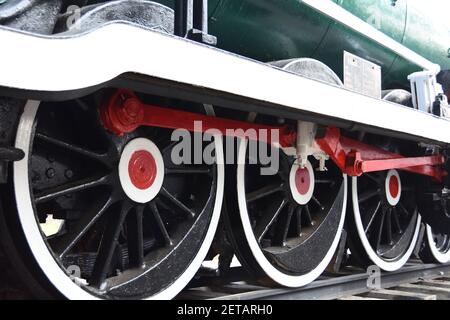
301,181
141,170
393,187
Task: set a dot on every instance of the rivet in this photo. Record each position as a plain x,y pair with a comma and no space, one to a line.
69,174
50,173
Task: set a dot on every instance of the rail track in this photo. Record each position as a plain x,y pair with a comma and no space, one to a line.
416,281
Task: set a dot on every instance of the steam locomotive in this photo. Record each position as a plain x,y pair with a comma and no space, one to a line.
132,136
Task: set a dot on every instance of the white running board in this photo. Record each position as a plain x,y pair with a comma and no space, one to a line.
56,63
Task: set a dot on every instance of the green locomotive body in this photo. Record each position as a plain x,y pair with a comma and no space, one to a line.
270,30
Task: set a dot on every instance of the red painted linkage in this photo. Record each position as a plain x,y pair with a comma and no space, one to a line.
355,158
124,113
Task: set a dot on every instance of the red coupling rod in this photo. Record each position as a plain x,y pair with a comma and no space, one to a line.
356,158
124,113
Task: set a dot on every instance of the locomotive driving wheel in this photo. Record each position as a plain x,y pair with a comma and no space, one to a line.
435,247
288,224
286,221
383,221
102,216
385,217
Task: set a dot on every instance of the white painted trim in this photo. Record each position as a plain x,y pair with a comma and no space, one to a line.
301,199
71,63
136,194
391,200
339,14
441,257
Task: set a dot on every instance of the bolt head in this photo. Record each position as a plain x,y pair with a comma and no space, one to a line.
50,173
68,174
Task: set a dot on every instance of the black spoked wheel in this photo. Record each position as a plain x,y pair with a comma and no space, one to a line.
435,247
111,217
286,221
289,224
383,221
385,217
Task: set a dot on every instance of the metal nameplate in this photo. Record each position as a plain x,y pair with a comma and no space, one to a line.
362,76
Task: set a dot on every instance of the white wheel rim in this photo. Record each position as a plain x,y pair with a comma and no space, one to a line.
275,274
373,256
441,257
35,240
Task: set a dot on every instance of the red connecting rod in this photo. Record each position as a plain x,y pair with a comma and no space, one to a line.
123,112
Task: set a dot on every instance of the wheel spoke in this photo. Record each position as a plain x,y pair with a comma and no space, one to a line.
319,204
403,208
264,192
70,187
372,177
108,245
324,181
177,203
368,195
380,230
135,237
160,224
372,217
61,245
267,220
308,215
188,170
100,157
397,220
406,189
388,224
284,222
170,146
298,213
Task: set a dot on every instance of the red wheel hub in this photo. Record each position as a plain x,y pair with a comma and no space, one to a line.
142,169
394,186
302,181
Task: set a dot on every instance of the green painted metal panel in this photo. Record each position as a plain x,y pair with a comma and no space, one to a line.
383,15
269,30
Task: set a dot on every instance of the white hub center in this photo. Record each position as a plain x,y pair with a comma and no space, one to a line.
301,182
393,187
141,170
